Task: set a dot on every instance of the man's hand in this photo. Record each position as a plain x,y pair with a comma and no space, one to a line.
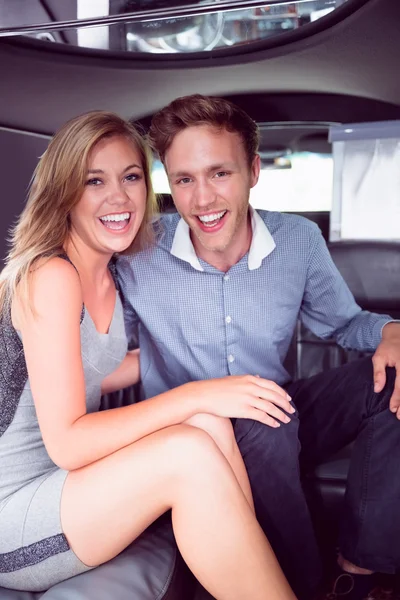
388,355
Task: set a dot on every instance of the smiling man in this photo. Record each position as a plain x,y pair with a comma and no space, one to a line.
221,294
210,178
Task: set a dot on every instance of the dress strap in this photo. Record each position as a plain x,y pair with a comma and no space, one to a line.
112,265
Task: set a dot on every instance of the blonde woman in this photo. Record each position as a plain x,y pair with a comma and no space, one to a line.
79,485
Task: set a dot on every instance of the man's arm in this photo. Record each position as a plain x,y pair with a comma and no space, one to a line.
329,309
127,374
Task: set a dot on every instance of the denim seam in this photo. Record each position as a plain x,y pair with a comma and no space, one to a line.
364,495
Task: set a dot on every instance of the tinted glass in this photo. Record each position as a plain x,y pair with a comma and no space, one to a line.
149,31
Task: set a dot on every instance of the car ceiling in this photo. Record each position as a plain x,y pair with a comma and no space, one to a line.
347,72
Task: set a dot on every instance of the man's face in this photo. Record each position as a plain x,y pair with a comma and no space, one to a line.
210,181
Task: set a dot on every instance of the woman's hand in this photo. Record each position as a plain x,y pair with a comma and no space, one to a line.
244,397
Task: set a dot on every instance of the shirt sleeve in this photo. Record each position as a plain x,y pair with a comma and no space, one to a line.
329,309
130,316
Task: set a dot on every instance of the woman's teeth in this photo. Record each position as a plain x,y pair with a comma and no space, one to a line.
117,221
211,220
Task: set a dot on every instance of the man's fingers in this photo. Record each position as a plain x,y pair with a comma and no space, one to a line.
394,403
379,365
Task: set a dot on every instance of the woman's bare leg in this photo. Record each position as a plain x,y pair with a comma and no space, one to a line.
221,431
107,504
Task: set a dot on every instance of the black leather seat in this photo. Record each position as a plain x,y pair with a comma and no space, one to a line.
150,569
372,272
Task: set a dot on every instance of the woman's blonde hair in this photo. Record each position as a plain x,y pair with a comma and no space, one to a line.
56,187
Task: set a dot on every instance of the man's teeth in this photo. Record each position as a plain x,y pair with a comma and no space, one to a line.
118,217
211,218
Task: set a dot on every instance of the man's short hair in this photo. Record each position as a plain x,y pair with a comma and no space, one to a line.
190,111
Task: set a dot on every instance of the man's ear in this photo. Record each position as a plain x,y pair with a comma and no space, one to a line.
255,170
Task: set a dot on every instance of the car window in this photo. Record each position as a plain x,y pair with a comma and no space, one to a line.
301,182
156,27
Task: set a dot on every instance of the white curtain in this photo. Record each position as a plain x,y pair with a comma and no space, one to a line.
366,188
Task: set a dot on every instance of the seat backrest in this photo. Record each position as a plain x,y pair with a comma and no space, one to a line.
372,272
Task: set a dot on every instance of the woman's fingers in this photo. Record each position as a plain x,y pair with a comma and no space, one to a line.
268,385
275,398
271,409
249,397
262,417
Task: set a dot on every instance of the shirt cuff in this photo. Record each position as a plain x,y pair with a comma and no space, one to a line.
389,321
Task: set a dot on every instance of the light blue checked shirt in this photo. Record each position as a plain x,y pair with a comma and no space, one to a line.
194,322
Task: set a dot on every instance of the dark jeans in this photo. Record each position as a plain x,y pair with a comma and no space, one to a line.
335,408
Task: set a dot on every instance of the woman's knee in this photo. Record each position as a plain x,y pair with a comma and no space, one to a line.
194,461
220,429
185,445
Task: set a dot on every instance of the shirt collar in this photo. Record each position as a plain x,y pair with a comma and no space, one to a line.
262,243
182,246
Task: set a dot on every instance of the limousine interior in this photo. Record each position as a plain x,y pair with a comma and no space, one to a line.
315,74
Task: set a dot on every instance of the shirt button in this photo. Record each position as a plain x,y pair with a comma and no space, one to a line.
226,277
228,319
231,358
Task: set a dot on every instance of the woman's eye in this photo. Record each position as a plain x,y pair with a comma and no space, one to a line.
94,181
132,177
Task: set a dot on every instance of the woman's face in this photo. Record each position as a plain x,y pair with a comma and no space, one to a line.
112,206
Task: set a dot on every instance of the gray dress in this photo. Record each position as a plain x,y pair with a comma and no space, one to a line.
34,552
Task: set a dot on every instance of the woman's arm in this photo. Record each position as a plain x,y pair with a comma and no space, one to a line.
73,438
52,347
128,373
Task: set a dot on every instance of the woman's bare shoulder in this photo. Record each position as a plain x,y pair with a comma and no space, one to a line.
54,287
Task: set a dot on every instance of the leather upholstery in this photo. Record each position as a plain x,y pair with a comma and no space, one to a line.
150,569
372,272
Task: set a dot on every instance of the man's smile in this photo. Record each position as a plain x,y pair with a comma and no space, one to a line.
212,222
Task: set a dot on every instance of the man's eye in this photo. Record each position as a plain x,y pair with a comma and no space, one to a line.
221,174
94,181
184,180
